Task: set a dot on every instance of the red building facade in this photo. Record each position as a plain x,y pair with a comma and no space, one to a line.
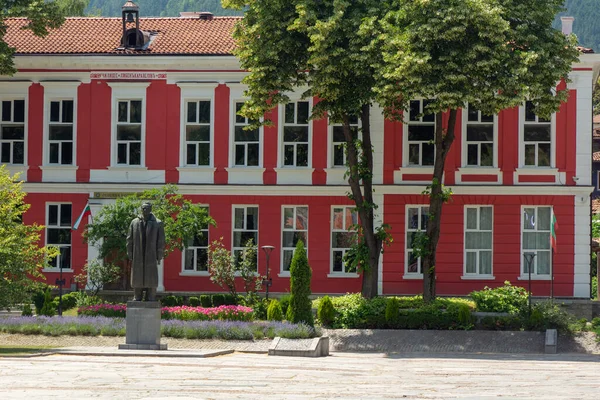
84,120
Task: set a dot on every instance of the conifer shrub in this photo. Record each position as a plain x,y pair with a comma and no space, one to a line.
326,311
230,300
392,310
284,301
171,301
218,300
300,308
194,301
274,312
48,308
27,312
206,301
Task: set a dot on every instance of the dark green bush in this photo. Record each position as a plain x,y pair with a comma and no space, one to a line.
206,301
26,310
300,308
38,301
284,301
507,323
326,311
48,307
218,300
355,312
194,301
596,322
69,301
392,309
230,300
274,312
507,298
546,315
171,301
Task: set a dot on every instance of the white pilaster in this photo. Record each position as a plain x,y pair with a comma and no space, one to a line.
581,267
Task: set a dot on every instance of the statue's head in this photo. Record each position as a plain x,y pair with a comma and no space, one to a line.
146,209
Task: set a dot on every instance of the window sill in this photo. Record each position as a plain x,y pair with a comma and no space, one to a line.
57,270
478,277
240,169
536,171
191,168
473,170
194,273
51,167
416,169
127,168
342,275
412,276
292,169
534,277
284,275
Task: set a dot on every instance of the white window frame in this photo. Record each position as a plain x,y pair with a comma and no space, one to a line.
58,226
244,228
407,143
407,230
192,272
522,142
128,91
344,250
210,125
12,142
283,124
465,142
294,229
234,144
477,274
50,123
534,272
333,143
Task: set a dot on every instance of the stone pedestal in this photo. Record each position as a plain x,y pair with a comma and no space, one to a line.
142,330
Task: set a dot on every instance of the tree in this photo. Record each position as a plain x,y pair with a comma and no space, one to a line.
95,275
21,256
183,221
313,46
300,308
488,54
72,8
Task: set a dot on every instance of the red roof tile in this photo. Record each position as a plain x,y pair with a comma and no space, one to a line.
190,36
596,133
596,156
595,206
597,119
585,50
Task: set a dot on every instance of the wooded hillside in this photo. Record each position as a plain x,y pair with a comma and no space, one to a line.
157,8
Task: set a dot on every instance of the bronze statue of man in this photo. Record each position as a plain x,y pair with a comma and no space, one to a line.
145,249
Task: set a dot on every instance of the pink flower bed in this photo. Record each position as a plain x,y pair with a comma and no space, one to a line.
186,313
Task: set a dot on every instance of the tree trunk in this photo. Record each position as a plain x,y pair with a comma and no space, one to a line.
436,201
361,170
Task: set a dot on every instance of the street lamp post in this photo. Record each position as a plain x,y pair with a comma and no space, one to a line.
267,282
529,260
60,282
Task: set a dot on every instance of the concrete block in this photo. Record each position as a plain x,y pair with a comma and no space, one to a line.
316,347
142,326
551,341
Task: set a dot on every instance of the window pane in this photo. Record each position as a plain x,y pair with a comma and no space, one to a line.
471,218
203,154
13,132
122,111
288,155
485,262
485,218
202,260
19,111
487,118
473,113
129,132
240,155
55,111
238,118
61,132
338,134
472,154
122,153
413,154
537,133
253,150
487,154
471,267
252,218
338,264
65,257
544,218
338,155
67,111
295,134
544,155
420,132
18,152
428,154
342,240
289,111
424,217
191,154
414,110
197,133
529,114
529,220
413,263
413,218
239,218
204,112
136,111
302,155
527,259
6,110
5,158
53,214
65,215
543,263
287,259
429,117
290,238
67,153
302,218
189,260
59,236
244,135
338,218
135,154
302,112
529,154
54,149
191,111
480,133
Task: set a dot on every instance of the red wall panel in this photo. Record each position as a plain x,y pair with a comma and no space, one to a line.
156,125
172,136
221,134
35,132
100,126
84,109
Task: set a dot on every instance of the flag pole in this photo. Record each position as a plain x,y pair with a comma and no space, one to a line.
552,277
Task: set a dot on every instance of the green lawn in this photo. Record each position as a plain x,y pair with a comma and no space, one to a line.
21,350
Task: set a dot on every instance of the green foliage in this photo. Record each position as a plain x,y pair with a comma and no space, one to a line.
326,311
230,300
48,309
596,322
300,308
194,301
21,256
274,312
158,8
95,274
206,300
285,302
72,8
507,298
38,300
27,312
594,287
171,301
183,220
69,301
547,315
84,299
586,13
392,310
246,266
218,300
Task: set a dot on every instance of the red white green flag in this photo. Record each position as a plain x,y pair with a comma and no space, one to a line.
86,211
553,227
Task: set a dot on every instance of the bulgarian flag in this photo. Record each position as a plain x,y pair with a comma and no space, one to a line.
84,214
553,226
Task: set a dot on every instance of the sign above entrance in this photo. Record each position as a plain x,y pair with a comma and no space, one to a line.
128,75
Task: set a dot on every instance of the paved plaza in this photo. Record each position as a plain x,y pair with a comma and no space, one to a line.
341,375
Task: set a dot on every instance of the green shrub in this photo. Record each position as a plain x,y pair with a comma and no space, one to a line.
38,301
507,298
274,312
69,301
505,323
26,310
392,309
206,301
230,300
462,313
594,287
596,322
284,301
355,312
546,315
48,307
300,308
218,300
171,301
194,301
326,311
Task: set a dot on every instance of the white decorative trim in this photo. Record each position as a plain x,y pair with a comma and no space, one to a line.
464,152
245,175
478,277
127,175
537,171
18,169
294,175
56,173
338,275
195,273
398,174
57,270
196,174
284,275
335,176
583,130
534,277
522,123
479,171
582,250
412,276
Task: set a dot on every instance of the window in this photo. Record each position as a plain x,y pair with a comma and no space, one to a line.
197,133
12,141
416,221
60,132
479,138
342,237
478,240
338,151
536,240
295,134
58,233
129,132
295,227
245,227
247,142
537,137
196,252
421,129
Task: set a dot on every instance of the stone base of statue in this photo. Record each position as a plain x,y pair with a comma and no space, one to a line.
142,326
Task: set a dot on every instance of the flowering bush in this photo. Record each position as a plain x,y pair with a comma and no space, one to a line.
185,313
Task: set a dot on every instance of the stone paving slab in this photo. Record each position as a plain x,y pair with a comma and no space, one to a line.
112,352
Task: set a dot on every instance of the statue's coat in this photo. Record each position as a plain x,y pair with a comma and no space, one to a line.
144,265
